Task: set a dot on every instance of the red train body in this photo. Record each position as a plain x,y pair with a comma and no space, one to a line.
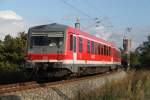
68,49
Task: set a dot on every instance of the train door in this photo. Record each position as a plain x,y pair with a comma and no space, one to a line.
73,48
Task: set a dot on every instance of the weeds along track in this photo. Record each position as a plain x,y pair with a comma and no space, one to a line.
33,84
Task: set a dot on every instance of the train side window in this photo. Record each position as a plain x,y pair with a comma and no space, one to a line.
92,47
114,53
104,50
107,50
71,42
88,46
95,48
74,44
80,44
98,49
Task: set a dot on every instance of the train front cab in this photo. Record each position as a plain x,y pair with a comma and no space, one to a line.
46,50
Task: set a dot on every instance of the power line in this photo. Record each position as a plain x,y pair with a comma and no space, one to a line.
81,18
93,6
75,8
96,20
80,11
83,13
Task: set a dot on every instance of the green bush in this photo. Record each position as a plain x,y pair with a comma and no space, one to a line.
12,52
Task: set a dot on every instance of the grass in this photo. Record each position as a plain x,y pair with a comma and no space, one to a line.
135,87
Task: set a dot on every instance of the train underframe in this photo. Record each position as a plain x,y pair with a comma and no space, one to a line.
58,69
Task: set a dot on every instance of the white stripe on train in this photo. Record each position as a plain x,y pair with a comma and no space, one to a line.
77,61
103,43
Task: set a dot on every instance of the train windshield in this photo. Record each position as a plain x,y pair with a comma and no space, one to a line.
51,39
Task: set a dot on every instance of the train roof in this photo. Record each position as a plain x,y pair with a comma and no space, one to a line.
61,27
80,32
49,27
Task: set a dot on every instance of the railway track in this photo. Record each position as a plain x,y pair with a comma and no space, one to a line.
33,84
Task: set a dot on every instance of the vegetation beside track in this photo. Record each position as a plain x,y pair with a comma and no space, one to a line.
135,87
12,52
12,57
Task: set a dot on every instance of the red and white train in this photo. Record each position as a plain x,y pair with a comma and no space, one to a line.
59,50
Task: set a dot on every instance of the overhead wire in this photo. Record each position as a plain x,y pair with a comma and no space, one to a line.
96,20
95,8
75,8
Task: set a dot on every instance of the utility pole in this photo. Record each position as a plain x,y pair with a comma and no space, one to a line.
77,24
127,42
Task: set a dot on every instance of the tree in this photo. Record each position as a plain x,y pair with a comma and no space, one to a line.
144,50
135,59
12,51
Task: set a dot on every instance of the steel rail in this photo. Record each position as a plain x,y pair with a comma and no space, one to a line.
33,84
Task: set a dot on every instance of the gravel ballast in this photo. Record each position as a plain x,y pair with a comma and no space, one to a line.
65,91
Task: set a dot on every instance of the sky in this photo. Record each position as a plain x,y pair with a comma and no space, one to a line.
107,19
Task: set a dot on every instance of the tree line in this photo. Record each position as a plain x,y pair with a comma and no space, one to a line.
140,58
13,52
